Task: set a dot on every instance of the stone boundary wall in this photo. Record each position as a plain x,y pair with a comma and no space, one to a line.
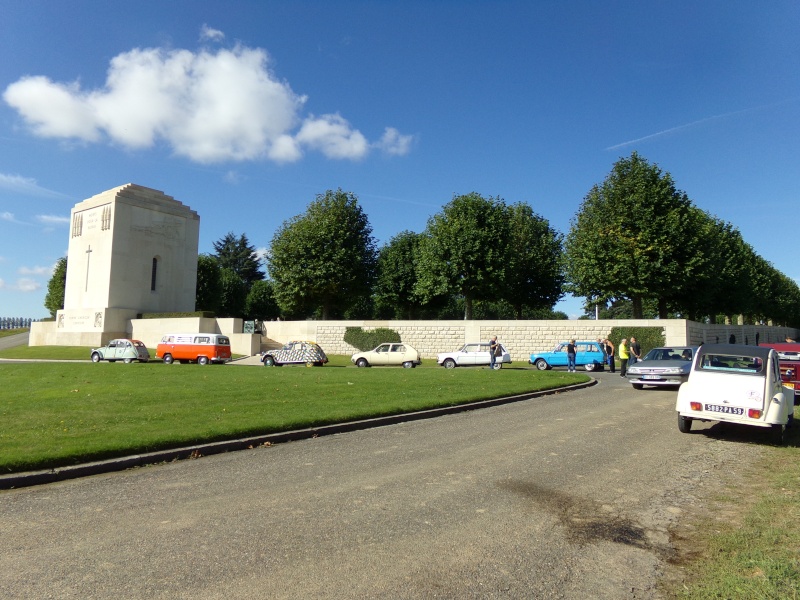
428,337
520,337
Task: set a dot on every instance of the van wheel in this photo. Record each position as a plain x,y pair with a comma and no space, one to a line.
202,360
684,424
269,361
168,359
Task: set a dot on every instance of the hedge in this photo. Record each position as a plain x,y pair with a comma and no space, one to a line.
367,340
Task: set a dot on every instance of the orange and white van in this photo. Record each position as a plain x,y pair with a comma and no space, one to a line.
202,348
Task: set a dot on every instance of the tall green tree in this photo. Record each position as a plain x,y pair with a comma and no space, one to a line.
208,293
534,276
260,303
463,251
56,287
238,255
632,238
323,261
397,277
233,294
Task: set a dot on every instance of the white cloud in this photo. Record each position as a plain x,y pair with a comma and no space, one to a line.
27,186
27,285
262,254
2,284
37,271
209,106
333,136
7,216
394,143
210,34
52,219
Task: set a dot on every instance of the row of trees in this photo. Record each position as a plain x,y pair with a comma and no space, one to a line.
637,239
637,247
478,257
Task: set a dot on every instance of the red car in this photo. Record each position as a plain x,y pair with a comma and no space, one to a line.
789,355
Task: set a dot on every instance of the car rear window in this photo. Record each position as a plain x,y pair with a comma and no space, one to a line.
731,363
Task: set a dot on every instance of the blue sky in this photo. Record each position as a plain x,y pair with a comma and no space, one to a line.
245,110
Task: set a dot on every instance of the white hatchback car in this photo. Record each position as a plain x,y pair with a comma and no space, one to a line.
470,355
736,384
389,354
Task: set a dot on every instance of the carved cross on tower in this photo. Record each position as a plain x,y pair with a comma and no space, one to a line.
88,257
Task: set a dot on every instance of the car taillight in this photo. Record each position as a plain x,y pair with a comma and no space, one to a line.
696,405
753,413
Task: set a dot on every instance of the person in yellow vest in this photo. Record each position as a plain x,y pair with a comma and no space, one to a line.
623,357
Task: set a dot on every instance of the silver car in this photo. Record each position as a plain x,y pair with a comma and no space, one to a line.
668,366
124,349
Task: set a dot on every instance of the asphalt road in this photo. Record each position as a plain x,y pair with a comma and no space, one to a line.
10,341
565,496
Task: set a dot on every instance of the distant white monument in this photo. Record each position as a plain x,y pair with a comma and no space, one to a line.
132,250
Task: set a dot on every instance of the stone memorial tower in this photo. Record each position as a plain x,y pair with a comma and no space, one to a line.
132,250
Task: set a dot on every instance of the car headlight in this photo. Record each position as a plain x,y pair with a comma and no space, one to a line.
634,370
673,371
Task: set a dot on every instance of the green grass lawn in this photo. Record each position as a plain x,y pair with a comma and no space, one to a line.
55,414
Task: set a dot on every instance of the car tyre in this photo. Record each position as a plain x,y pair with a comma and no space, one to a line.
168,359
684,424
590,367
128,361
95,357
779,434
202,360
637,386
541,364
449,363
269,361
362,363
408,364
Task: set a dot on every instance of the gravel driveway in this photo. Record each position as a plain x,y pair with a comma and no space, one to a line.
565,496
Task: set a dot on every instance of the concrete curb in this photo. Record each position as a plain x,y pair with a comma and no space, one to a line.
31,478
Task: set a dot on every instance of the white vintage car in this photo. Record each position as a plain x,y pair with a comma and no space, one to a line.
736,384
388,354
471,355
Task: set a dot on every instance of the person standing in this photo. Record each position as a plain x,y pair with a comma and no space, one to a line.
571,356
636,351
623,357
493,346
610,354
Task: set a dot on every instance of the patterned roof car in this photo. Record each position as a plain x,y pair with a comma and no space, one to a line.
124,350
662,367
587,354
470,355
295,353
386,355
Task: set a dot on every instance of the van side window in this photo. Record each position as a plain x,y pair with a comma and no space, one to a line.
201,340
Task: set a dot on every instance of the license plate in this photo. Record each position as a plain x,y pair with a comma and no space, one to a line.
651,376
731,410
